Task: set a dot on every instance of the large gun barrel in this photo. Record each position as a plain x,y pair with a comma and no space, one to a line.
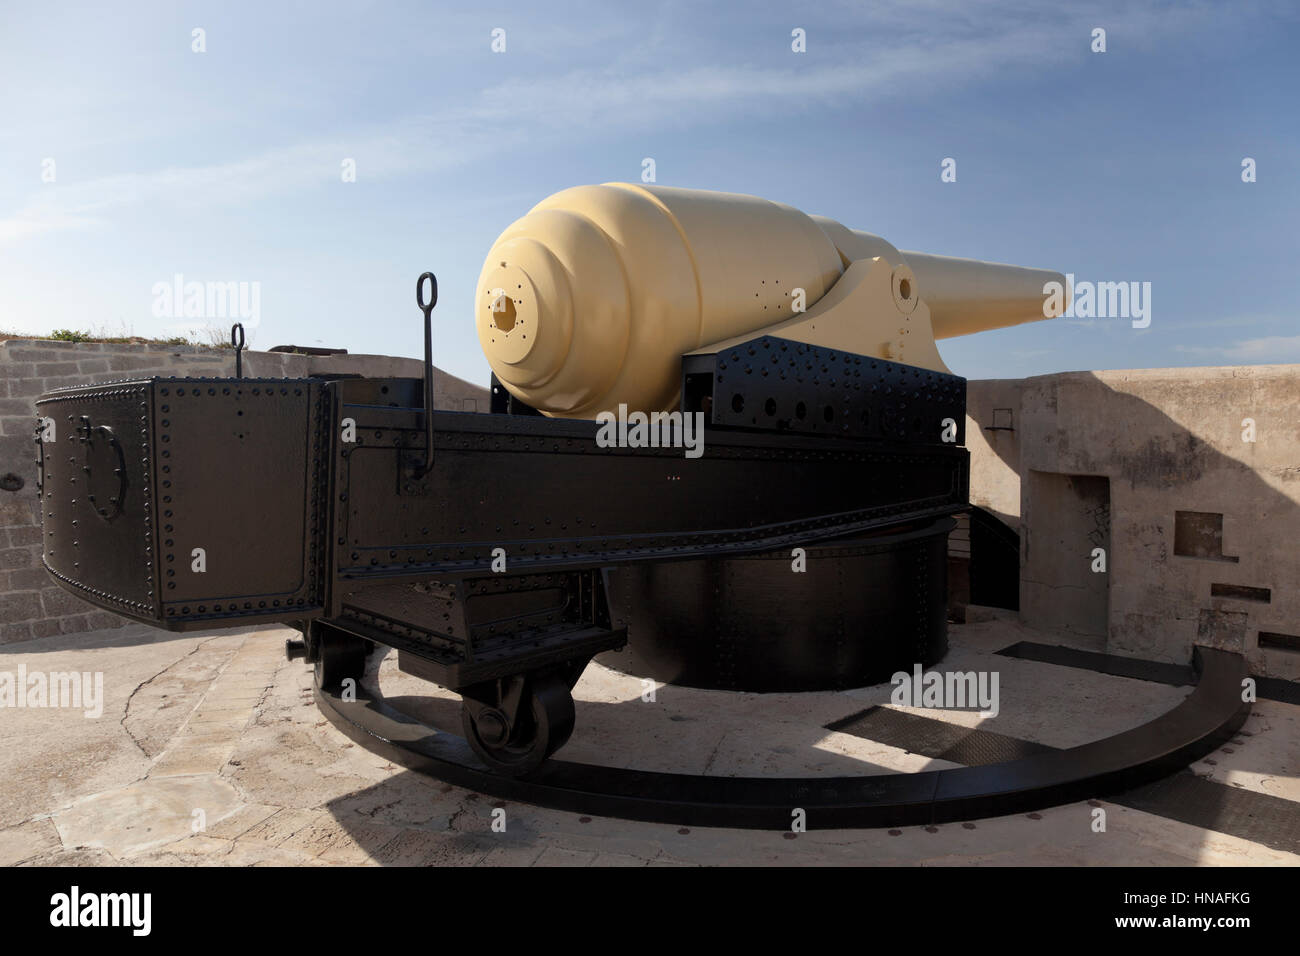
591,299
967,295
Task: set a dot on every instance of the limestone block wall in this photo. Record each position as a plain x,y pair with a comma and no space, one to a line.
31,605
1189,479
992,414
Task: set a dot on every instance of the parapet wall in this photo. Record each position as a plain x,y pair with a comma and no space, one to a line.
1186,480
31,605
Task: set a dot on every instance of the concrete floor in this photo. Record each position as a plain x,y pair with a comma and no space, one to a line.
210,750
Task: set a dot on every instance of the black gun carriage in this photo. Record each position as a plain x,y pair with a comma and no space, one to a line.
499,552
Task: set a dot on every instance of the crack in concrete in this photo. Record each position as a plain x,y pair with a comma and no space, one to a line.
462,808
47,819
708,764
198,704
264,699
1057,587
126,710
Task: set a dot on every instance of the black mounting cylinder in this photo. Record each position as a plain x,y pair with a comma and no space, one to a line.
861,610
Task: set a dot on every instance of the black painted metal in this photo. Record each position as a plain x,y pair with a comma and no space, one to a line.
1208,716
1179,675
427,308
545,492
237,343
860,610
221,506
317,502
224,488
501,402
462,631
1275,688
1182,796
776,384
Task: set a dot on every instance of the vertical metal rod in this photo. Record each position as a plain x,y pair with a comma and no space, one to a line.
238,342
427,309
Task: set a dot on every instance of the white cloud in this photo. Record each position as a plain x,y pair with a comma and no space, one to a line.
1231,321
379,154
1269,350
906,50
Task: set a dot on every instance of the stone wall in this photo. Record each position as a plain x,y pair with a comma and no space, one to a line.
992,414
31,605
1201,526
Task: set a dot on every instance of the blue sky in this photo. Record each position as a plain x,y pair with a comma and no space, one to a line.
225,165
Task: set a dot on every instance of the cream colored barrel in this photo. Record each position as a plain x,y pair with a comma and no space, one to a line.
966,295
590,300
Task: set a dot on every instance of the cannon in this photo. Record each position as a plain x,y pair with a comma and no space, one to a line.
803,547
591,299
